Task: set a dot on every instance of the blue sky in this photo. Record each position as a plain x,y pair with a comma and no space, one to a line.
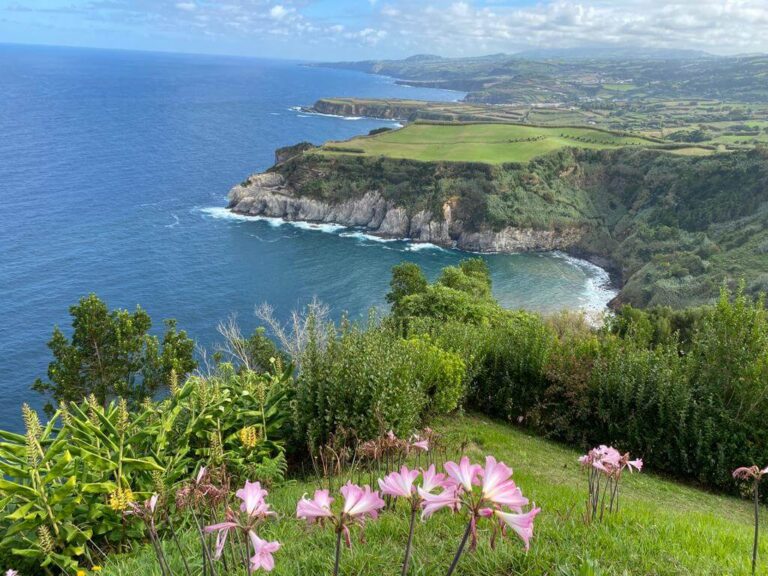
359,29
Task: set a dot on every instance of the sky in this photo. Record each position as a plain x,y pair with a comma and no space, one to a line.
377,29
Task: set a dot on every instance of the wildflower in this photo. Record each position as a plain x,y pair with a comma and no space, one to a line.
252,496
253,510
96,568
81,573
605,465
121,498
173,380
431,503
263,550
222,529
753,474
463,473
399,484
248,437
422,445
498,488
749,473
522,524
497,491
11,572
46,540
359,504
317,508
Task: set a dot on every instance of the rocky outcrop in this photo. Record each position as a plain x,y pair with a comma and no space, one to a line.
268,195
287,152
384,109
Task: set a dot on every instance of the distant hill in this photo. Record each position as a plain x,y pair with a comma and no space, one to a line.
612,53
572,77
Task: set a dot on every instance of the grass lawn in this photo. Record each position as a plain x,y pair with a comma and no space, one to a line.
490,143
663,528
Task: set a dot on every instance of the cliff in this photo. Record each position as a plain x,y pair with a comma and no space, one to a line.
269,195
401,110
671,229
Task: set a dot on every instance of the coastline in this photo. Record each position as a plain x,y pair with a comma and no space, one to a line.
603,280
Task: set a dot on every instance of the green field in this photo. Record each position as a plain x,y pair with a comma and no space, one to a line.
489,143
664,528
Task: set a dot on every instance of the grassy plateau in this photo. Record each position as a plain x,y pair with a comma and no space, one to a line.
663,528
488,143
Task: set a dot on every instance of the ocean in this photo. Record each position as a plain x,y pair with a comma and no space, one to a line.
114,170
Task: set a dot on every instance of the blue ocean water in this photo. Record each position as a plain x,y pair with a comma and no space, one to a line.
114,169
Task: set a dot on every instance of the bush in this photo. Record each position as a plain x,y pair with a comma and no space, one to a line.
65,486
687,389
366,381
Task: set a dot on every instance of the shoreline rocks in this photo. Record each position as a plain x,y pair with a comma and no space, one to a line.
267,194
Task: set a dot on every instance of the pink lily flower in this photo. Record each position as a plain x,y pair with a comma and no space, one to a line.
201,474
223,529
463,473
636,464
431,480
522,524
431,503
421,445
263,551
252,496
361,502
11,572
317,508
498,488
399,484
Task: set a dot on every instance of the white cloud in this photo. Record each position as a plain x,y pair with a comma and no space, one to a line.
466,27
278,12
447,27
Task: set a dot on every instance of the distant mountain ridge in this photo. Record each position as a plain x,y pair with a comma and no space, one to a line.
558,76
612,53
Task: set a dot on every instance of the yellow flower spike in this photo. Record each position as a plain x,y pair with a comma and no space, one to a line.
120,499
81,573
249,437
96,568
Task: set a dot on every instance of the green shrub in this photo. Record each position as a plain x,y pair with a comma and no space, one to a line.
65,486
510,378
365,381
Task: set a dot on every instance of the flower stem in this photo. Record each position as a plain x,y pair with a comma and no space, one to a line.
178,546
407,558
338,553
461,548
757,527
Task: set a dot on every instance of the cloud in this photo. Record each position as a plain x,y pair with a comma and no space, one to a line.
470,27
278,12
448,27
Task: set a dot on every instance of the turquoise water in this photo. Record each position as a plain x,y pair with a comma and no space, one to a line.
114,169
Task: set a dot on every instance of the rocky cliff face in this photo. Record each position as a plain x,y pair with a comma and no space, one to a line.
268,194
388,110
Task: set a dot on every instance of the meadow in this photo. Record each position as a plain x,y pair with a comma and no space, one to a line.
488,143
663,527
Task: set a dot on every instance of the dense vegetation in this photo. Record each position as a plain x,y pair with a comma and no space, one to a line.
686,390
673,228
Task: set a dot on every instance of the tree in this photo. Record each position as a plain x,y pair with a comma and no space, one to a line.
111,353
407,279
